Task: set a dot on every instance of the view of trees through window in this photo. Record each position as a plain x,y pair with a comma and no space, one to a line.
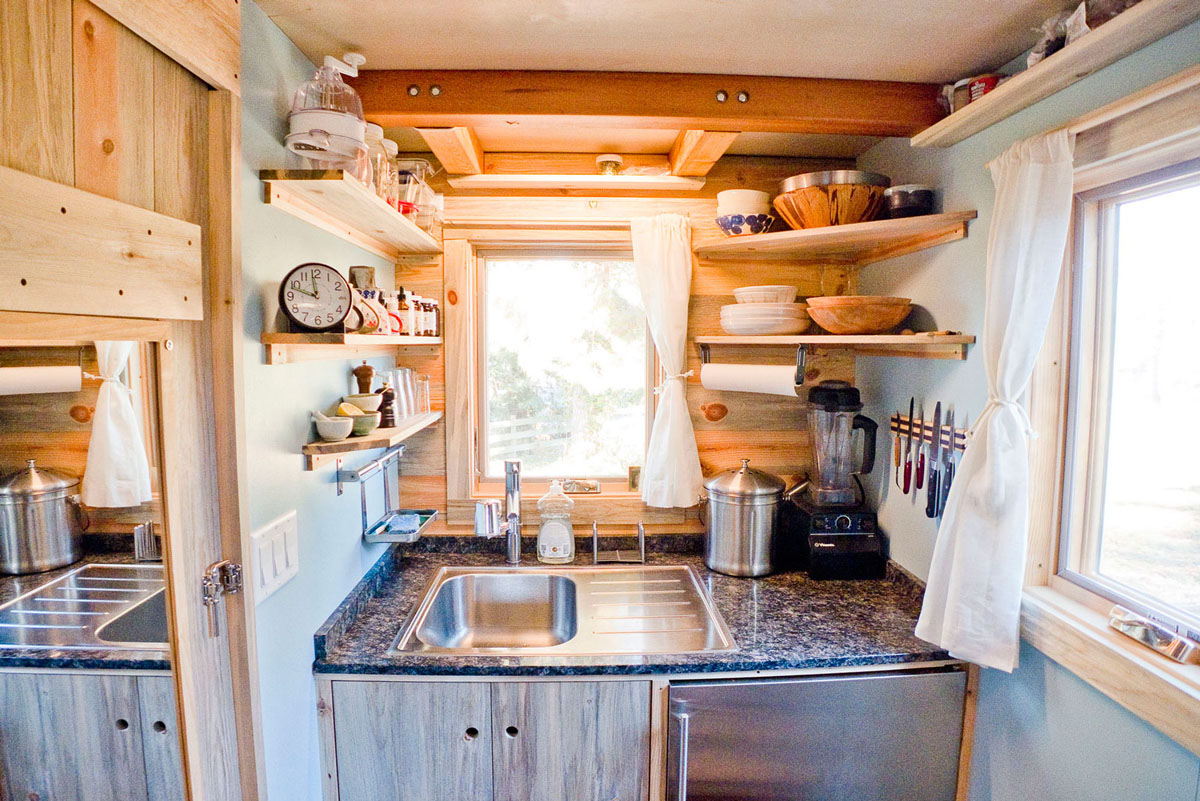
565,368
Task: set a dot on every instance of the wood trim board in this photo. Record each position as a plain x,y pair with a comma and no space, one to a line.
64,250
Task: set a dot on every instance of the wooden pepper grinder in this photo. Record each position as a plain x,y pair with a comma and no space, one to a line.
387,409
364,374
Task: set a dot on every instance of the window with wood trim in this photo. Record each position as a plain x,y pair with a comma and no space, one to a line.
1130,515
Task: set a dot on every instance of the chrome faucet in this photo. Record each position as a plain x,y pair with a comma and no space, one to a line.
487,514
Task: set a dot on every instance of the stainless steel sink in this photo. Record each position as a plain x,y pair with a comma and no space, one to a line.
569,611
143,624
94,606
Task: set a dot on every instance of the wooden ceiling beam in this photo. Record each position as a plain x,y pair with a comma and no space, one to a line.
695,152
457,148
475,98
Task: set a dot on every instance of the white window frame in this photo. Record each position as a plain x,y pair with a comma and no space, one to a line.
1093,297
482,255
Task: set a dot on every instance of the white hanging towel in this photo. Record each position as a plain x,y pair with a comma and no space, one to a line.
118,474
662,255
972,605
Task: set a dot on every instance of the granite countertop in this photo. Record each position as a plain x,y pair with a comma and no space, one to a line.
782,622
98,551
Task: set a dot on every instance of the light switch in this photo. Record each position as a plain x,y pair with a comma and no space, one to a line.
276,549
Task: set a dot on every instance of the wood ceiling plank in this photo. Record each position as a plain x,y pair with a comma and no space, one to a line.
647,100
695,152
457,148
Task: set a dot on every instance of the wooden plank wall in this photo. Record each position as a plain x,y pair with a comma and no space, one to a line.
109,114
729,426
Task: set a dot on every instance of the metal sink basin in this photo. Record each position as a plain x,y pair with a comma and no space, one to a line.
143,624
488,610
570,611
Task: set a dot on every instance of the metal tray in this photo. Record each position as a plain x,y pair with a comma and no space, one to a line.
381,531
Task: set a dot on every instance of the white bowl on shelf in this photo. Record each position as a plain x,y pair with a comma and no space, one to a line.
758,328
758,309
774,293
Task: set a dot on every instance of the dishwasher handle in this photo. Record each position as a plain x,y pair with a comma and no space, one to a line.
683,719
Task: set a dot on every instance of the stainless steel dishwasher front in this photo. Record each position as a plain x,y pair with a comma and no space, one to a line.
862,736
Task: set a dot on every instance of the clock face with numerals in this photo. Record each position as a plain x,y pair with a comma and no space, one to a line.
315,296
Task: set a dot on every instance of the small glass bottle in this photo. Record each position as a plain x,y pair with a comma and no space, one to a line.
414,311
404,311
437,318
556,538
428,306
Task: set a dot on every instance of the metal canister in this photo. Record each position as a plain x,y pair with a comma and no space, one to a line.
743,517
41,521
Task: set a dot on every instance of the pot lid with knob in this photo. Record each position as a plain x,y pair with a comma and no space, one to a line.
745,482
34,481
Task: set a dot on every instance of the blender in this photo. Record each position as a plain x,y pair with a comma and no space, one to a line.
831,531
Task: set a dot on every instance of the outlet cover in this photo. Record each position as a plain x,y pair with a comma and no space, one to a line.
276,549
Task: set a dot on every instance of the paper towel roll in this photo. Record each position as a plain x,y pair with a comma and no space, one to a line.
771,379
36,380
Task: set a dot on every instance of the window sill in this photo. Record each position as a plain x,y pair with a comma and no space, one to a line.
1164,693
623,509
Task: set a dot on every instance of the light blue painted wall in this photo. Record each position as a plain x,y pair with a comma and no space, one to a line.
1042,733
278,399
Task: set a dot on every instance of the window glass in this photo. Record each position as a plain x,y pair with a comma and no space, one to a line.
1149,526
565,366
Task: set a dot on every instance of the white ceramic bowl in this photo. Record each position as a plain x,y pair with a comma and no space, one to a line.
797,325
368,403
775,293
335,428
763,308
743,201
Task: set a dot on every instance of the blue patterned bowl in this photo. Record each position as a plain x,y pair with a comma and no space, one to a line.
742,224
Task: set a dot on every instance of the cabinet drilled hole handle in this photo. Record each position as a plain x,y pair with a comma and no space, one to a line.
159,726
472,733
122,724
511,731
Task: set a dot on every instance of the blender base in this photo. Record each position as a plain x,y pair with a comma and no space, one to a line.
832,542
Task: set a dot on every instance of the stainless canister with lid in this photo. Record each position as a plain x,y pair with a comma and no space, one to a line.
743,517
41,521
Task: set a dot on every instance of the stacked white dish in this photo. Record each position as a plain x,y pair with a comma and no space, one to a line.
765,319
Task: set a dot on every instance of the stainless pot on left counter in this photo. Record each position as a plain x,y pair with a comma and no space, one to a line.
41,521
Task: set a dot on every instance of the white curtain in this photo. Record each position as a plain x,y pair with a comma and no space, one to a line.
117,472
662,254
972,604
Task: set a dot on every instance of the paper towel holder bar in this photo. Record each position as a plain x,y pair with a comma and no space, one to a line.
801,357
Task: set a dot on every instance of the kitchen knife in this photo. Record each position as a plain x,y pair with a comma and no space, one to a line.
933,490
948,463
908,462
896,455
921,447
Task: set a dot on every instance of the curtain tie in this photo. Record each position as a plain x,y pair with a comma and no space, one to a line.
677,377
116,379
996,403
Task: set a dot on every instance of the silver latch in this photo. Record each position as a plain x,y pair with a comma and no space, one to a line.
220,578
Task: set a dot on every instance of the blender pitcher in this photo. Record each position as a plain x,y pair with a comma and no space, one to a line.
832,413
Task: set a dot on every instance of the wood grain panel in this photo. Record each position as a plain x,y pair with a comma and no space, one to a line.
205,36
413,741
113,112
695,152
35,88
160,739
70,736
578,740
457,148
783,452
65,249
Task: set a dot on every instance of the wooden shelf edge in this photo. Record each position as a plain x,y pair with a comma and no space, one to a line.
896,238
1134,29
319,453
946,346
405,239
288,348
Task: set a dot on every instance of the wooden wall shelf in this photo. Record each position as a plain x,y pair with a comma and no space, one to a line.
857,243
1135,28
915,346
336,202
318,453
285,348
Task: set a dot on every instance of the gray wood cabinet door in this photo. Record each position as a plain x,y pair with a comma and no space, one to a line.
70,737
571,740
160,738
412,741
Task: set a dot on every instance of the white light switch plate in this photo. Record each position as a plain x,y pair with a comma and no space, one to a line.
276,549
